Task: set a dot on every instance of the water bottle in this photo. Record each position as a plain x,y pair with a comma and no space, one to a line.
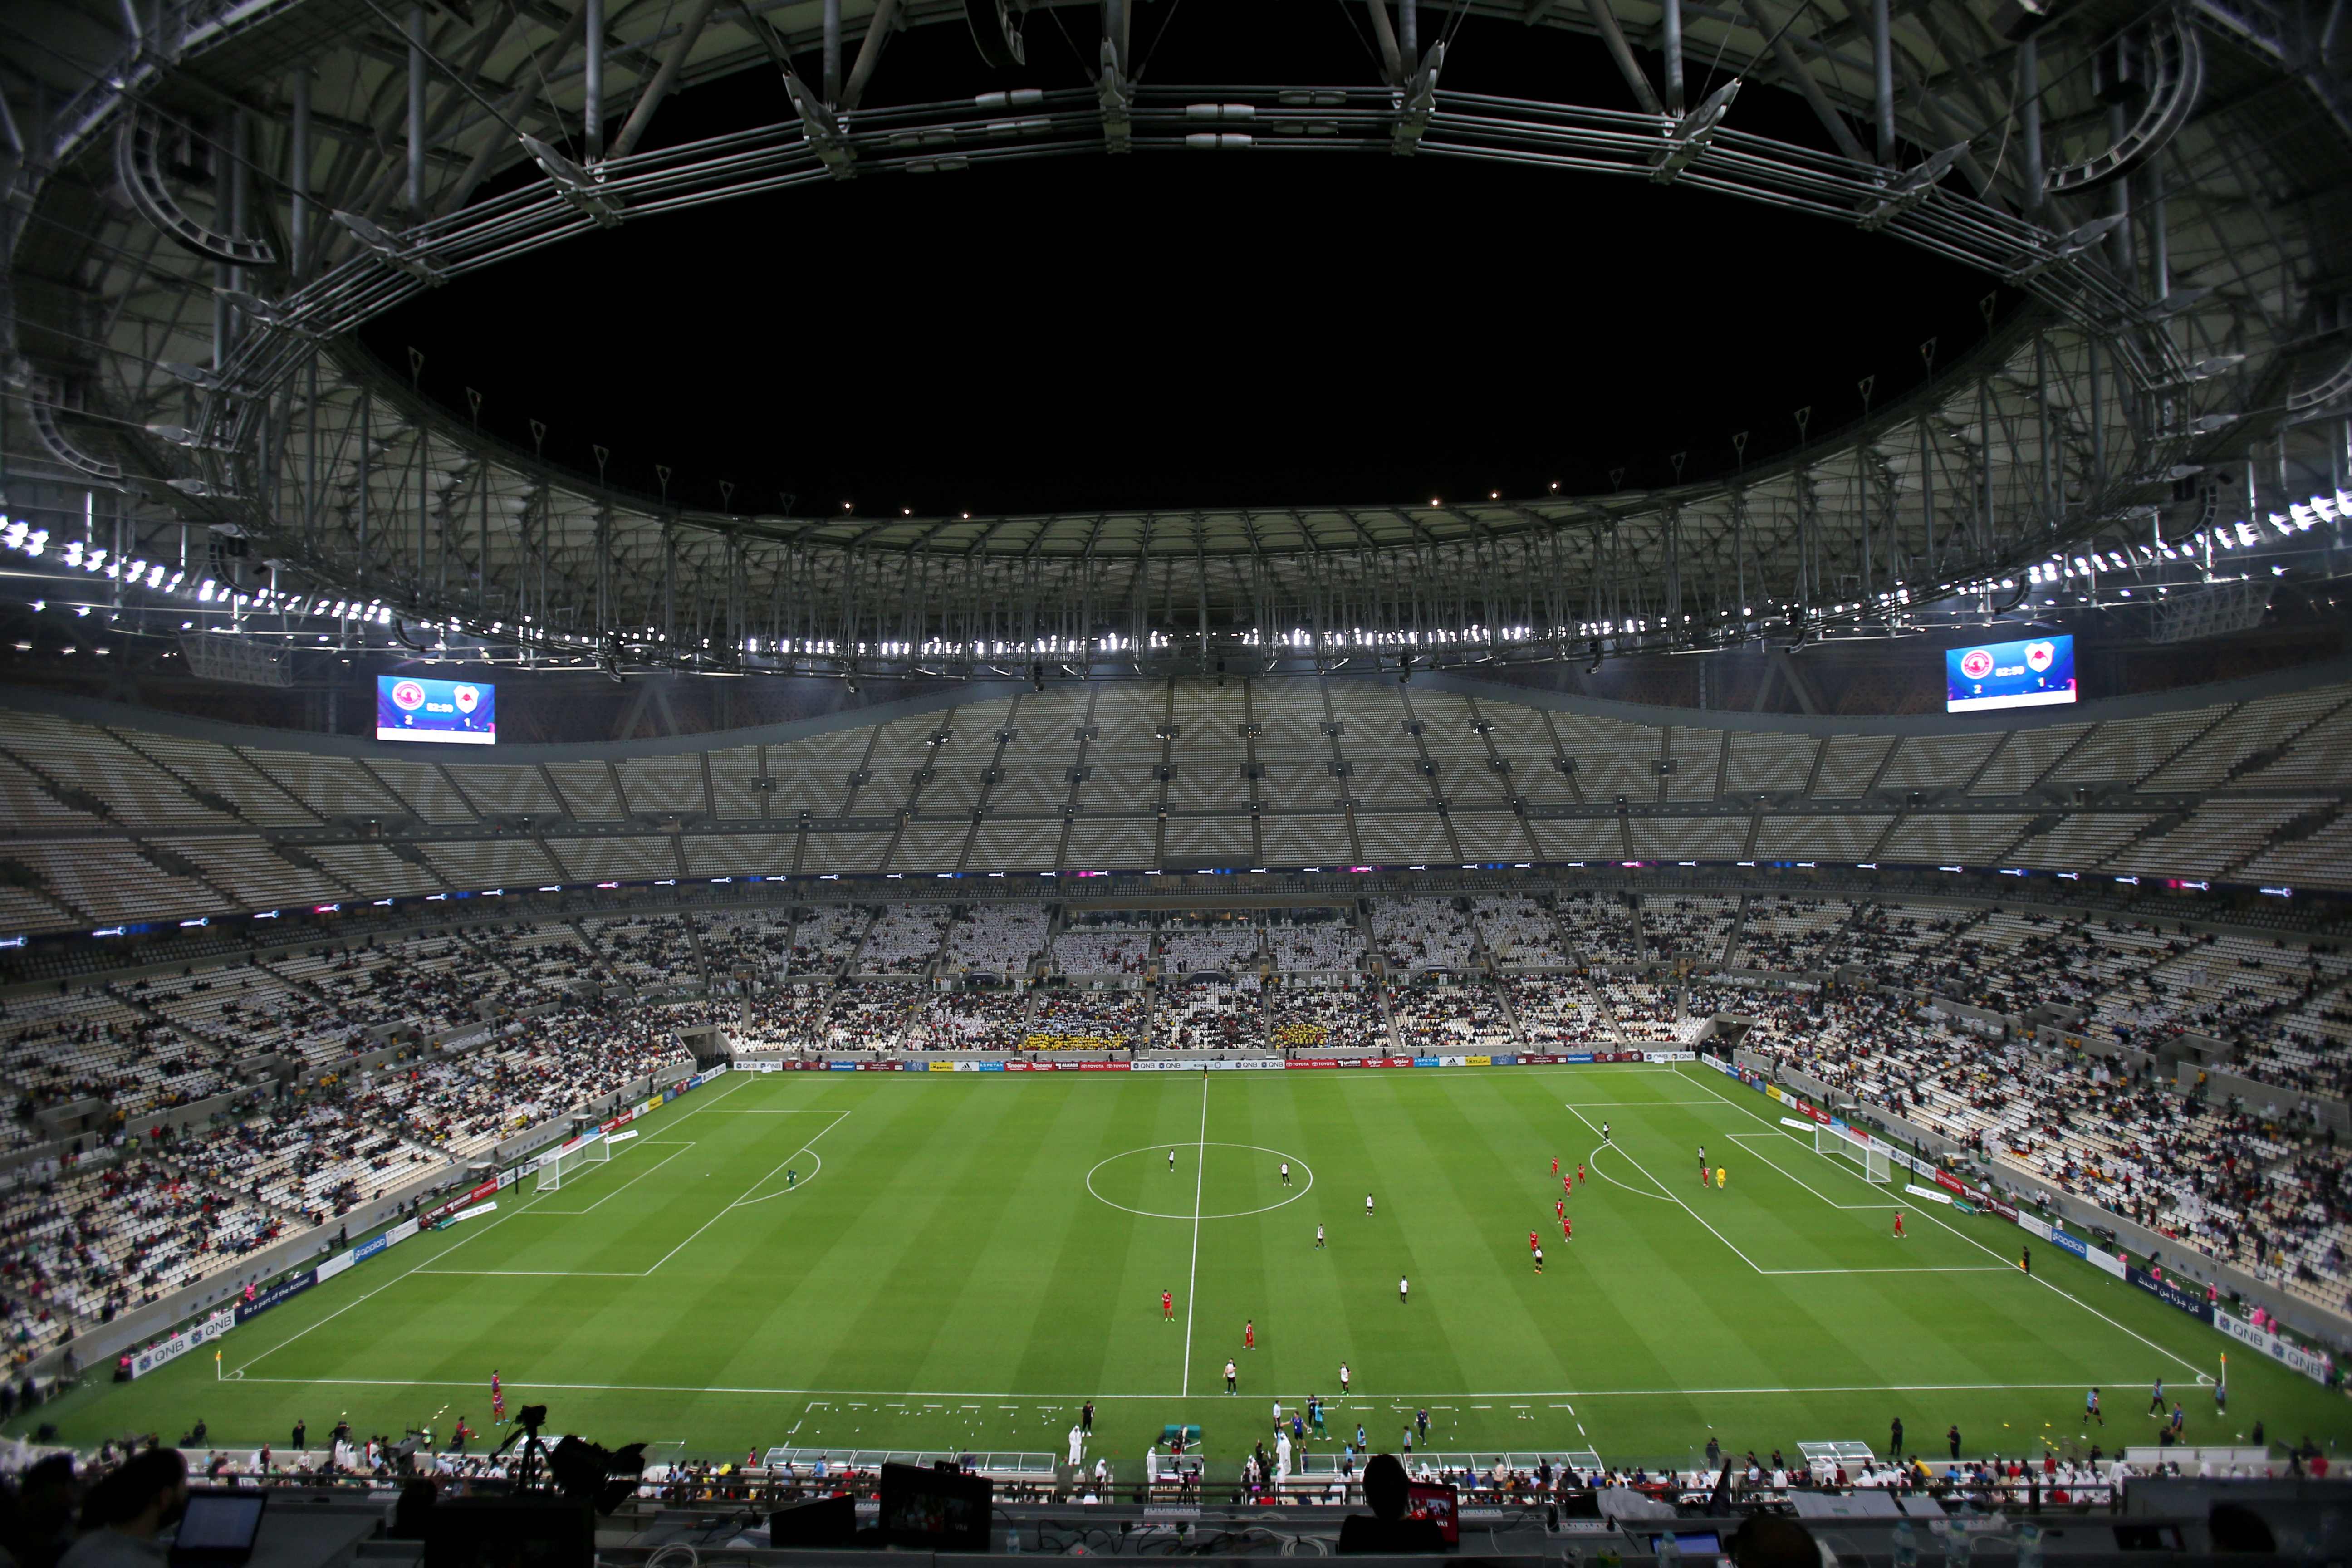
1670,1550
1907,1545
2029,1545
1958,1544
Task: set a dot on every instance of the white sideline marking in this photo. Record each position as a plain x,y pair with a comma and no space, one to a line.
523,1205
2073,1383
1200,1174
745,1201
468,1238
1980,1247
530,1273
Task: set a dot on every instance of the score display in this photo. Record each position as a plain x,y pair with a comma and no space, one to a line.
451,712
2036,673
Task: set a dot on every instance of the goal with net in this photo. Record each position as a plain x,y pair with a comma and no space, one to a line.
567,1165
1872,1159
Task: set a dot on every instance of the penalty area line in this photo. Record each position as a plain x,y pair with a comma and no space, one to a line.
1742,1140
680,1146
2176,1356
523,1206
838,1118
1671,1197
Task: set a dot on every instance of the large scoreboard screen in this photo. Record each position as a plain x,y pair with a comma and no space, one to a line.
2034,674
453,712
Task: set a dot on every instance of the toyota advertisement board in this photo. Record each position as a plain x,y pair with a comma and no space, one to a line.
2036,673
452,712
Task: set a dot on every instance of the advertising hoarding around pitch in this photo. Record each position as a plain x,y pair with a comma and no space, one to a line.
2034,673
452,712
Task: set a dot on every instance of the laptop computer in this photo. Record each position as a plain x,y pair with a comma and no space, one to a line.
219,1528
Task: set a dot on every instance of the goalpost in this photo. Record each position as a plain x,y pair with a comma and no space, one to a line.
572,1162
1873,1160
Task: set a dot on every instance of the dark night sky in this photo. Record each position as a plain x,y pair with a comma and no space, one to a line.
1183,329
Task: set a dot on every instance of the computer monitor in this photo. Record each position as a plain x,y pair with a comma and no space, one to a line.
218,1530
1691,1543
1435,1502
510,1533
943,1511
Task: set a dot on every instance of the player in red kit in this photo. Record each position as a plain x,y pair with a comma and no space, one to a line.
1567,1229
1531,1241
1249,1334
1559,1208
1555,1164
1579,1169
1898,1225
1168,1306
1568,1184
498,1399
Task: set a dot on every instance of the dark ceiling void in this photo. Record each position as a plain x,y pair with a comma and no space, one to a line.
1164,331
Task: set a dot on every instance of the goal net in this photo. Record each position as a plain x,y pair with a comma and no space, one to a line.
1873,1160
568,1165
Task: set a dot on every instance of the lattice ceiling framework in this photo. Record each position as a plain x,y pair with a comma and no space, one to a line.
217,204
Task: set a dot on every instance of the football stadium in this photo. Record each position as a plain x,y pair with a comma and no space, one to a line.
1559,780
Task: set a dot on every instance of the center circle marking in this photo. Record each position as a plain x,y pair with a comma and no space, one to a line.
1212,1143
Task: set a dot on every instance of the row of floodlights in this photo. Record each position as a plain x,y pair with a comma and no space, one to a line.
2299,518
159,577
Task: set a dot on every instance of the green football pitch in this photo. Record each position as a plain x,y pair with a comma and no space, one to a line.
965,1257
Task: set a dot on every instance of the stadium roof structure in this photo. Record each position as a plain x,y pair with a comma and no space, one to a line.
194,235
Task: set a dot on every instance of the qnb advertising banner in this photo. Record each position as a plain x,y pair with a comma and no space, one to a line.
2033,674
179,1345
2312,1366
452,712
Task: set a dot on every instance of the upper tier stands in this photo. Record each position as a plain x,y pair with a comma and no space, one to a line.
1518,931
1117,944
1224,946
995,941
1212,1015
1423,933
121,821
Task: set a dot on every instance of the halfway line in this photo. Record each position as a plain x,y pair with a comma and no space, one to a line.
1200,1174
